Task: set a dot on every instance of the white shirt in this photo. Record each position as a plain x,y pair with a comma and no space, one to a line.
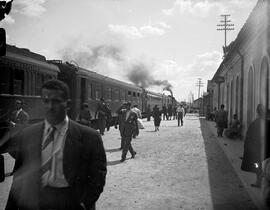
137,111
56,177
180,109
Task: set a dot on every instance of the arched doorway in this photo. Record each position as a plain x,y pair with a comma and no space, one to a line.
264,83
231,104
237,97
250,96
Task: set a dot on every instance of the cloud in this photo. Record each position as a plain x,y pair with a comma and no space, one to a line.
31,8
134,32
128,31
184,77
204,8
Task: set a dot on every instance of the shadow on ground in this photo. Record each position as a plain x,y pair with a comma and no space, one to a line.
113,150
227,191
116,162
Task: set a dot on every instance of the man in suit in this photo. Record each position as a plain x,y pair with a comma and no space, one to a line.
120,121
101,115
19,116
129,126
60,164
221,120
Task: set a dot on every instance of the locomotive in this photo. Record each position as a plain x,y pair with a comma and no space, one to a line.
23,73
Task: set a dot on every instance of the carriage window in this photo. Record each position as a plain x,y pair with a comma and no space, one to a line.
123,93
97,91
90,95
108,93
39,84
116,94
18,82
83,89
4,80
134,94
138,94
129,93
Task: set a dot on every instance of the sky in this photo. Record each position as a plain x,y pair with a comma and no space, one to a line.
153,43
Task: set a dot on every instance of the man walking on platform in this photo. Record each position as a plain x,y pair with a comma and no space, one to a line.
60,164
101,115
129,126
120,121
165,112
221,120
180,114
139,116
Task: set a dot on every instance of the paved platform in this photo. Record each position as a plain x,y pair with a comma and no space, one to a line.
234,148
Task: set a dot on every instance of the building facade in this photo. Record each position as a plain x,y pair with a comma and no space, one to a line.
241,81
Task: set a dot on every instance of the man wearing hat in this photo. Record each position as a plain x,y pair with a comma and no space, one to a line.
19,116
101,114
129,126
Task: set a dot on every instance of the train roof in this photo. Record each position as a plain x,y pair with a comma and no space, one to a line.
154,93
112,81
26,56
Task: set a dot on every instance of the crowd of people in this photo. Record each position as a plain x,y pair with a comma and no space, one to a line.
59,177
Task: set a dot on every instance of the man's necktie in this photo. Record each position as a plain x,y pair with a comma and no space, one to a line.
47,151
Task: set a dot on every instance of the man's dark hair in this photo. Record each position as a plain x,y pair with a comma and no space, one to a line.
222,106
55,84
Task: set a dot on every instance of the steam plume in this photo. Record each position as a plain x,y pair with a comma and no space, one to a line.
140,75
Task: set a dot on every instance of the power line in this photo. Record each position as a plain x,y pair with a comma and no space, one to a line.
199,84
225,26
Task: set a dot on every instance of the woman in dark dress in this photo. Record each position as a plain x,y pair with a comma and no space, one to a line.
157,117
254,145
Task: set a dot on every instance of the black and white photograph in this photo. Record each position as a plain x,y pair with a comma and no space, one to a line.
134,105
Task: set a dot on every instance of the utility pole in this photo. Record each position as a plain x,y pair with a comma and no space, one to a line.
225,26
199,84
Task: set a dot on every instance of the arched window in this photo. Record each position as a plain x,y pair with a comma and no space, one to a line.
250,97
231,104
237,96
264,83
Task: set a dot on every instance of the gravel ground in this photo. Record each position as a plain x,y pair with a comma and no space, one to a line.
175,168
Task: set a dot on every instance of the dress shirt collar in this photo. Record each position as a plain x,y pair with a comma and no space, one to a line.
58,127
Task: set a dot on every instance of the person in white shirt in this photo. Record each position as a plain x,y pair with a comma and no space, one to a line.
139,116
180,114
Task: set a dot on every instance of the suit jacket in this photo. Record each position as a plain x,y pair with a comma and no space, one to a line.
22,117
84,165
130,123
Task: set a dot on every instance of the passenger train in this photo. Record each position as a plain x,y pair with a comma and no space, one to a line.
24,72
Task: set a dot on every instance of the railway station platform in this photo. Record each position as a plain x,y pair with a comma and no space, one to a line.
234,148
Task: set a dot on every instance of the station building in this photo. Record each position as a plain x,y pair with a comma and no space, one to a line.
241,81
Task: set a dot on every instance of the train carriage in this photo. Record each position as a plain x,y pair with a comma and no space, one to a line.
88,87
22,74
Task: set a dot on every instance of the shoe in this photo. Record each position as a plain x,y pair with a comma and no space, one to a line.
122,159
133,156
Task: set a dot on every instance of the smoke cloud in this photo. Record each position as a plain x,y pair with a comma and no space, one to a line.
140,74
92,56
110,60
